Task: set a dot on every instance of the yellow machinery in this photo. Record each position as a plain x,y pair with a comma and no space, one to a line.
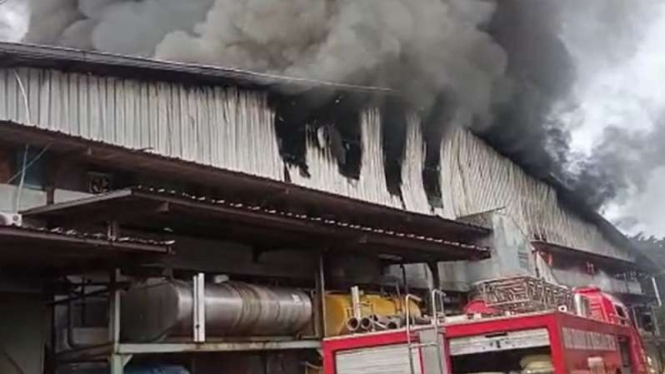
339,309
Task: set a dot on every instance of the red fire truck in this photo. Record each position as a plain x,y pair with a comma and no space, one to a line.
580,332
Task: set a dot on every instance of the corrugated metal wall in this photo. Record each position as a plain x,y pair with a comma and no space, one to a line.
475,179
233,129
372,185
324,170
227,128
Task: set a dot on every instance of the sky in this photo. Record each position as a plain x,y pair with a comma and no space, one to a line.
624,88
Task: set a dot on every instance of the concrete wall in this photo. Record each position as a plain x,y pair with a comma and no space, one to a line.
511,252
511,255
31,198
28,198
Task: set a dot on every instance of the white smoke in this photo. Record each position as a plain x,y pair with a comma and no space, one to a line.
13,20
420,46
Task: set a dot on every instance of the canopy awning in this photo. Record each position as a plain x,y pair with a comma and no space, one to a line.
60,248
158,210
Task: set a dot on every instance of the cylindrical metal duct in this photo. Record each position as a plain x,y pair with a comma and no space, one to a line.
353,324
153,311
581,305
366,324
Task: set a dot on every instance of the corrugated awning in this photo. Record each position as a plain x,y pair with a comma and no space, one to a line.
56,248
158,210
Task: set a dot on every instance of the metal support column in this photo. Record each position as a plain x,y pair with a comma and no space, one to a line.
321,294
117,361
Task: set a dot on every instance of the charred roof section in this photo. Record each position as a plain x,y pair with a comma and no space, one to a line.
330,121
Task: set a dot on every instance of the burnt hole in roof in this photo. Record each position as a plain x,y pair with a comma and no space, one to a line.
291,126
433,127
333,124
393,128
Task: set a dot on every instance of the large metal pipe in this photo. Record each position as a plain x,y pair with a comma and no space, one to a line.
581,305
164,308
353,324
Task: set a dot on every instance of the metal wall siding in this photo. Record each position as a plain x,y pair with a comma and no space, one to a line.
413,188
226,128
476,179
233,129
324,171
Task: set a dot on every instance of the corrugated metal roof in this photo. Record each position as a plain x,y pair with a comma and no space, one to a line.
305,217
81,237
12,55
66,59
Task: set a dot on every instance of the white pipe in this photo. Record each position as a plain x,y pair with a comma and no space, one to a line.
355,302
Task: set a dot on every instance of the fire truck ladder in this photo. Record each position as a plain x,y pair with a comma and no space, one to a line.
430,343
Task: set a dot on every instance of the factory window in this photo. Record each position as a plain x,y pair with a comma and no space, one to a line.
35,167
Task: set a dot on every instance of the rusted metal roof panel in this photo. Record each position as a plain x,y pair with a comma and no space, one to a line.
80,238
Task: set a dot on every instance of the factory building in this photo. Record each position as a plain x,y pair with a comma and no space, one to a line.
134,190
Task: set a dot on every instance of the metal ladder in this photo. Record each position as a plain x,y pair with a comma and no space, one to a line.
431,343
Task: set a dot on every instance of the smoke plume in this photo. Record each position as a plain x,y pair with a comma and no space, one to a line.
422,47
523,71
618,127
13,20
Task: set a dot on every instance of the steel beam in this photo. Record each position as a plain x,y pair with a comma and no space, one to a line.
140,348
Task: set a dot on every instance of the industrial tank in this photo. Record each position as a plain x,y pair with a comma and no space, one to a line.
158,309
339,308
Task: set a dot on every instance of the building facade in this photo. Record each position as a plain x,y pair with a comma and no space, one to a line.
238,146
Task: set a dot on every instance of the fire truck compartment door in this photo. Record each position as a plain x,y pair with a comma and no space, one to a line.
499,342
391,359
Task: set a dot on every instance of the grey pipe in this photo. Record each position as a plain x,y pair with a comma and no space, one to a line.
394,323
353,324
366,324
153,311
